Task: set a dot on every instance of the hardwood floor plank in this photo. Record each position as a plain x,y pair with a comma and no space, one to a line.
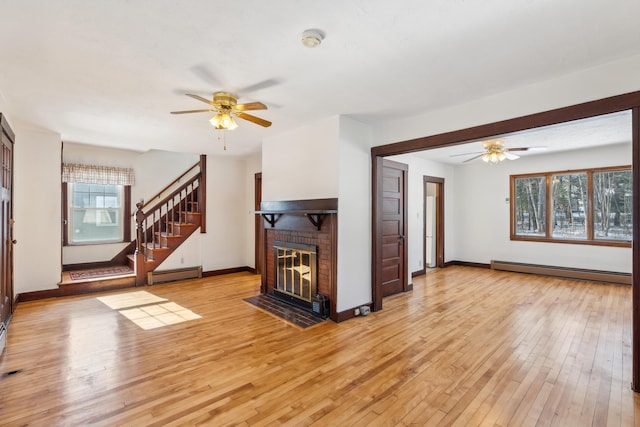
466,347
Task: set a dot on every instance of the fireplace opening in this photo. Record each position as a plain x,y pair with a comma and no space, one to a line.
296,273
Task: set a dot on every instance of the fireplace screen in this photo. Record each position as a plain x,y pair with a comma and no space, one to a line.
295,270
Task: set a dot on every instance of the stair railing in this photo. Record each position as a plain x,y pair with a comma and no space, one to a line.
152,224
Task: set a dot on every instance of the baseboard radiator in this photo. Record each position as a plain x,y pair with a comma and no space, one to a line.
564,272
163,276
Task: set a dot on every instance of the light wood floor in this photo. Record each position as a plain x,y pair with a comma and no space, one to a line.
466,347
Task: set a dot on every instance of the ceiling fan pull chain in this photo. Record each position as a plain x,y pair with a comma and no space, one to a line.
222,135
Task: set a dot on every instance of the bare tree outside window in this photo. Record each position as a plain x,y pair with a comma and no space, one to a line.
569,196
530,206
612,205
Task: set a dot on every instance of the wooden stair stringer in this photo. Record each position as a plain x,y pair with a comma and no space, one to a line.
172,242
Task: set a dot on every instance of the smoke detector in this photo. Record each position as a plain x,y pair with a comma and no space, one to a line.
312,38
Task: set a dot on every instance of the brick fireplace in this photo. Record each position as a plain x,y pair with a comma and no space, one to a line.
305,229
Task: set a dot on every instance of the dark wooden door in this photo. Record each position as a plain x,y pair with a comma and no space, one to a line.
258,226
6,223
394,220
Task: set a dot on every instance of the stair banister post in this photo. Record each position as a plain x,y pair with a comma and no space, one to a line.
141,273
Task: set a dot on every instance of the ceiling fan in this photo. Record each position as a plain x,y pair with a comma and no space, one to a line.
495,152
225,106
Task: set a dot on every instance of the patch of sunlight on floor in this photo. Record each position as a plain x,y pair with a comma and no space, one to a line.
130,299
147,310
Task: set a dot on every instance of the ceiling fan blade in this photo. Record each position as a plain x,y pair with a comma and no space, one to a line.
467,154
193,111
253,119
473,158
259,86
527,149
199,98
510,156
250,106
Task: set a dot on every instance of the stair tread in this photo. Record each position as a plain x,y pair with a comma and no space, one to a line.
156,247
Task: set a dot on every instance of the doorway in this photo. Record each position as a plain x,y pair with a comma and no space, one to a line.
433,236
258,225
629,101
6,228
390,219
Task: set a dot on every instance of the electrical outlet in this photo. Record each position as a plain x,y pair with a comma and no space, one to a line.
419,263
356,312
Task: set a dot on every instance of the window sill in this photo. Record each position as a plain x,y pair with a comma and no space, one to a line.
119,242
611,243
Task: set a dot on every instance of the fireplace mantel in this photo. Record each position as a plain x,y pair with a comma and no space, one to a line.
309,222
314,216
314,210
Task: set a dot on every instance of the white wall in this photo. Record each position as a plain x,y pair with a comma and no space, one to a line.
37,209
354,215
93,155
253,165
418,168
482,214
223,245
153,170
302,164
327,159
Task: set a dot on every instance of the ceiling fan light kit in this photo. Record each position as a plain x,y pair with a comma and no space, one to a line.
493,157
495,152
225,106
223,121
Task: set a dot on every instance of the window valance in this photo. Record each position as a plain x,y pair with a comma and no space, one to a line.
92,174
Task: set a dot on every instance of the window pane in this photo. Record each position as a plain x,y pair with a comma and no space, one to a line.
569,197
78,186
80,200
530,207
612,205
90,225
96,214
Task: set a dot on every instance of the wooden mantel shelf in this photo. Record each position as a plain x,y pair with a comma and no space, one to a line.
315,217
314,210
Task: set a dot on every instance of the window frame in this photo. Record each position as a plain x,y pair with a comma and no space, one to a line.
126,222
589,214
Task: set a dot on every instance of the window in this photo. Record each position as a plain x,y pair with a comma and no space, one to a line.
530,210
97,203
587,206
95,213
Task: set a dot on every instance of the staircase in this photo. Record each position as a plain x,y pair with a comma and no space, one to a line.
162,225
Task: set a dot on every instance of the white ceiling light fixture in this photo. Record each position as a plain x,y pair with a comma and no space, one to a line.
312,38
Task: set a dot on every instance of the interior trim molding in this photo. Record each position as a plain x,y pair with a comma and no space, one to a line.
228,271
349,313
84,288
467,264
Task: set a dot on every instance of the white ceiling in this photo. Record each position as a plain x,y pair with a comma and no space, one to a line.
109,72
615,128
